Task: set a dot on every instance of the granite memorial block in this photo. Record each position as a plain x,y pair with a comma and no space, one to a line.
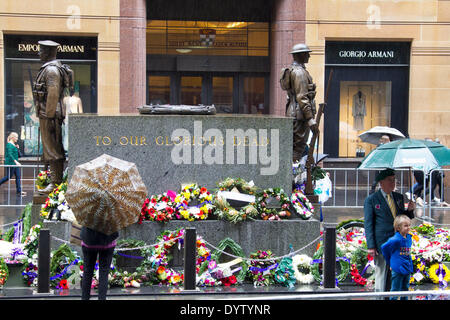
171,150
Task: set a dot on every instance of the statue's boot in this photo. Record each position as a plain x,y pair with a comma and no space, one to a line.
56,175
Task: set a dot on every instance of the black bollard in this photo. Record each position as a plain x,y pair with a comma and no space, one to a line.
44,261
190,239
329,258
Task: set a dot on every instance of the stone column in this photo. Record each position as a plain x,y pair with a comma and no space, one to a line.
287,29
132,55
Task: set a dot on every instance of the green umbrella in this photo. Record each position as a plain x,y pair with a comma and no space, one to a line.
408,153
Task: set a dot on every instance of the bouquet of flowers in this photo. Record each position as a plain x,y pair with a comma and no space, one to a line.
43,179
56,207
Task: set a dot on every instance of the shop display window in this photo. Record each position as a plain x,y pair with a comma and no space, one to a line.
363,105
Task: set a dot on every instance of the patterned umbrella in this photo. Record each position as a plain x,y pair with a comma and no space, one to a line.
106,194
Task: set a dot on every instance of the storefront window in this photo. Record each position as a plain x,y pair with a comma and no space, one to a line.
21,68
363,105
159,89
191,90
253,95
223,94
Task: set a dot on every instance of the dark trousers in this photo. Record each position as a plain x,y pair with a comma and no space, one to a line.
10,171
104,264
399,282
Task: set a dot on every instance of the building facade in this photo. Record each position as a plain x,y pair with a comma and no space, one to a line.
389,60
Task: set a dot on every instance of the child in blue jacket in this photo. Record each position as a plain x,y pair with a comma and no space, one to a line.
397,253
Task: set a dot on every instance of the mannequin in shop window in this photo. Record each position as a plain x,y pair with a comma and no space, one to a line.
72,104
359,110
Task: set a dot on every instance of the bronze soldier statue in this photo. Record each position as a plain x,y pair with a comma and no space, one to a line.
48,88
301,92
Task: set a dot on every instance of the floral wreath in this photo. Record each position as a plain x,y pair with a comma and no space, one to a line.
302,205
273,213
240,184
317,260
439,274
262,273
161,255
187,195
225,211
302,263
158,208
236,249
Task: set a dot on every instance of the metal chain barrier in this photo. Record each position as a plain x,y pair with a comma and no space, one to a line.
209,244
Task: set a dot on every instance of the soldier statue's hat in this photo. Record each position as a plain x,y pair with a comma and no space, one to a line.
300,47
48,43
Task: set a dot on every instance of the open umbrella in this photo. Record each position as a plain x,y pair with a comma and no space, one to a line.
408,153
373,135
106,194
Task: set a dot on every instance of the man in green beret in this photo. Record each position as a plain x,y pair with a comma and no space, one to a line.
380,209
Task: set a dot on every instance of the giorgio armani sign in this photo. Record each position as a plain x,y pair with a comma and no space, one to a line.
26,46
367,53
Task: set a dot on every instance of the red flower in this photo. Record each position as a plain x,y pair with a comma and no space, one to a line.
203,190
63,284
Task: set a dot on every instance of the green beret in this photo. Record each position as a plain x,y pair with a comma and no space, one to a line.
384,173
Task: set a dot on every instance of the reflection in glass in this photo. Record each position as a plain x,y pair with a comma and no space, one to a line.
253,96
191,90
159,89
223,94
363,105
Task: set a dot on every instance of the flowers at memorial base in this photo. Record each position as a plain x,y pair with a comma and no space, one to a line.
302,268
302,205
262,273
3,272
194,194
55,206
159,208
270,213
439,274
43,179
240,184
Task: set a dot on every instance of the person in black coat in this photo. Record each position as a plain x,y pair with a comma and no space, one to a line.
93,244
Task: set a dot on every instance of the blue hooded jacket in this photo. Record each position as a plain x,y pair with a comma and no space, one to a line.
397,252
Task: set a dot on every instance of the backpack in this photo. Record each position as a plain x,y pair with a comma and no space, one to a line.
67,75
285,79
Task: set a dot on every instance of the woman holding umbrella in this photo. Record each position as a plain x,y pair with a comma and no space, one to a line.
96,244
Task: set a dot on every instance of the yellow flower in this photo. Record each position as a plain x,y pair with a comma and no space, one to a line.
187,195
178,198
